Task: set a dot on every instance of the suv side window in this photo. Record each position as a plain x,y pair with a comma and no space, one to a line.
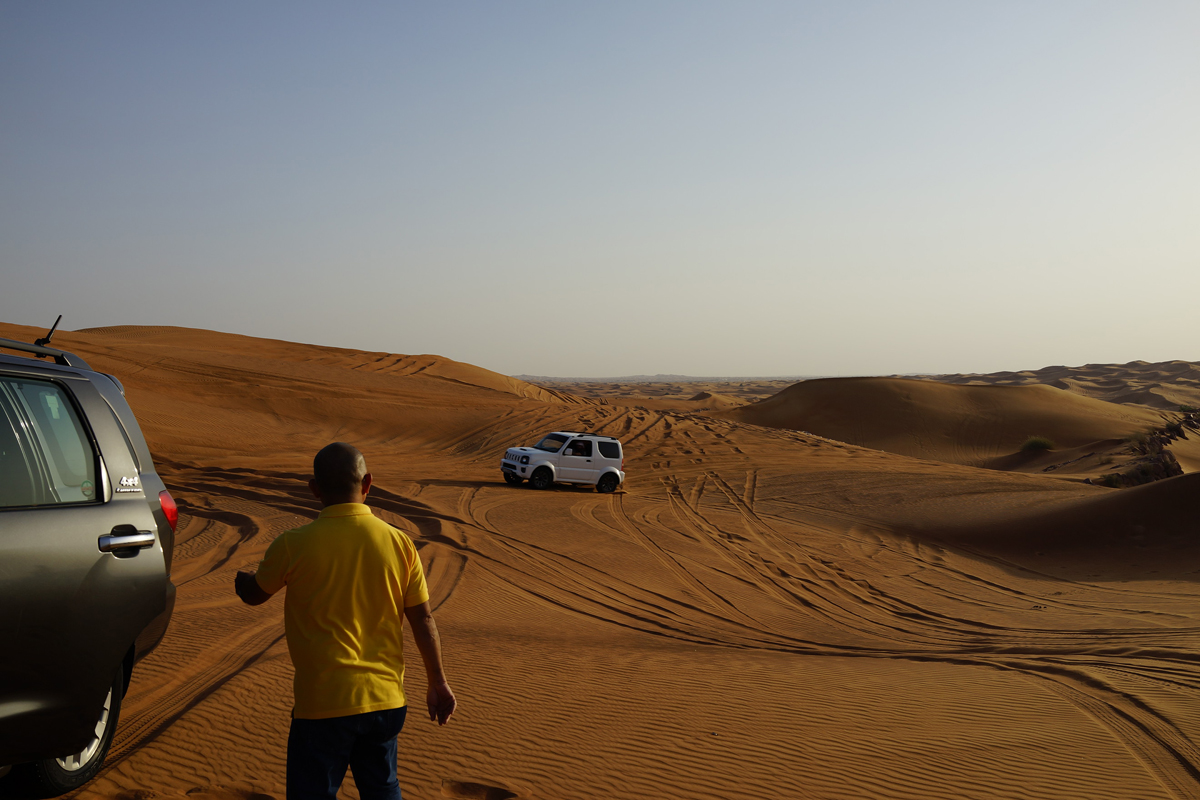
16,470
609,449
580,447
45,451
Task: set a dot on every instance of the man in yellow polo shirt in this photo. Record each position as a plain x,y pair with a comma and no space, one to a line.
352,579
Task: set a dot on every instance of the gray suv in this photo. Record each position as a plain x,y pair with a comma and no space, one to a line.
86,534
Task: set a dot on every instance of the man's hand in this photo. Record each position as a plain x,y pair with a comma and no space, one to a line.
441,702
439,698
247,588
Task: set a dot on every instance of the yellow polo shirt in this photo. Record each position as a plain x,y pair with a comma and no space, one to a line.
349,577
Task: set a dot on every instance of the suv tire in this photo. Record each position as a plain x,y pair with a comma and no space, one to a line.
51,777
513,480
607,483
541,478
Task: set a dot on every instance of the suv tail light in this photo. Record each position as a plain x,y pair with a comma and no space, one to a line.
169,508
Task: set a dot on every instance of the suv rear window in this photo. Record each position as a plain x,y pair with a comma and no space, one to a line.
46,457
609,449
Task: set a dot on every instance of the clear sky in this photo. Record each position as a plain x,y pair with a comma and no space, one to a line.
612,188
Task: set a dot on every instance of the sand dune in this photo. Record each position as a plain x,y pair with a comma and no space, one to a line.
201,392
712,400
682,395
1139,531
167,339
759,614
1163,384
958,424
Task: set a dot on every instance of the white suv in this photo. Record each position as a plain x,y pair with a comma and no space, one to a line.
567,457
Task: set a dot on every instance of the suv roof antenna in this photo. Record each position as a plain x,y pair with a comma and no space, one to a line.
45,340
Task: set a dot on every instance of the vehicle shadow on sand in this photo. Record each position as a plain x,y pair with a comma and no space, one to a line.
524,487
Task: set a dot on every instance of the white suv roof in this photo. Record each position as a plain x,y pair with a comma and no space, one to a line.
577,433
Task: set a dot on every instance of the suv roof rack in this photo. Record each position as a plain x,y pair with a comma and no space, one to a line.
61,357
593,435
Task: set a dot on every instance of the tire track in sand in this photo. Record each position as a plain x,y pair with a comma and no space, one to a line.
1168,754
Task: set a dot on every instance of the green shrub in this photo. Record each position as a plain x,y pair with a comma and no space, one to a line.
1186,409
1036,443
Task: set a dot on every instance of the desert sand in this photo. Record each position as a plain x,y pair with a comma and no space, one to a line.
761,612
687,394
1162,384
983,425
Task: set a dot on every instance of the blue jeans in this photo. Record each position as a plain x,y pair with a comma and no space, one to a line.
320,750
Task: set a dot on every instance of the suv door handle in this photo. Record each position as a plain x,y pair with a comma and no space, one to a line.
124,541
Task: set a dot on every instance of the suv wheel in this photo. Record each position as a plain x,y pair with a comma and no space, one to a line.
541,478
607,483
51,777
513,479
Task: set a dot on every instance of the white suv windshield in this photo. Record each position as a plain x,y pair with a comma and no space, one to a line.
551,443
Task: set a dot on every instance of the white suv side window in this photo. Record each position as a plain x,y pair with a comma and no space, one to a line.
45,450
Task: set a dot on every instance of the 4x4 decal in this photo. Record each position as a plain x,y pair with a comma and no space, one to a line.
129,485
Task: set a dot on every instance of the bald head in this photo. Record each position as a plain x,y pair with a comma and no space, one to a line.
339,471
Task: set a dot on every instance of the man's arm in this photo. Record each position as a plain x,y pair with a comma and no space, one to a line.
439,698
247,588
